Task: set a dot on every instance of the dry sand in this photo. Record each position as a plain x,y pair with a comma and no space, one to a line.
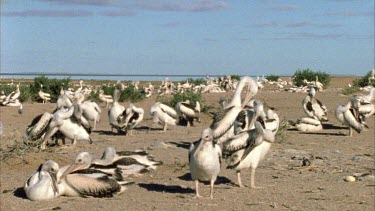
286,185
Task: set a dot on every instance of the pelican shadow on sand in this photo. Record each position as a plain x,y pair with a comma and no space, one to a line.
165,188
219,180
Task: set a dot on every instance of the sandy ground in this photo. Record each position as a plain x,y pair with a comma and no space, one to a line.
286,185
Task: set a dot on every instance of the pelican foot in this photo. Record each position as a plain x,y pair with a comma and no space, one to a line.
197,197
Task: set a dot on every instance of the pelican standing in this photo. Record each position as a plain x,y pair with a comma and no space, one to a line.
164,115
188,112
44,96
313,107
223,122
116,108
105,98
348,114
90,110
130,118
42,184
205,161
247,150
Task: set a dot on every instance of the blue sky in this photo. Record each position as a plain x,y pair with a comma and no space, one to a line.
245,37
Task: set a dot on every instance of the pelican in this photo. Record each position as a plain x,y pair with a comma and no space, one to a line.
163,114
348,115
2,96
80,87
44,96
116,108
222,124
79,180
69,125
65,99
247,117
205,161
188,112
12,98
247,149
313,107
20,109
42,184
90,110
131,117
105,98
129,162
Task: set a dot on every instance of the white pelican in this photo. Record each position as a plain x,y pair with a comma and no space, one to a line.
313,107
205,160
247,149
64,100
42,184
12,98
44,96
129,162
90,110
105,98
348,114
188,112
130,118
2,96
222,125
80,87
247,117
318,85
164,115
69,126
80,180
116,108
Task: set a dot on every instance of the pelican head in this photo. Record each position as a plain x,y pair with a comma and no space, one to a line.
206,136
83,161
51,167
312,92
79,97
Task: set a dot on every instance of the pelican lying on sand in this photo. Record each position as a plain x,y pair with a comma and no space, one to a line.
205,161
188,112
42,184
247,149
164,115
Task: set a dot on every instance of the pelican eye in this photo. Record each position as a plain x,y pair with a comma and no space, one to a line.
79,160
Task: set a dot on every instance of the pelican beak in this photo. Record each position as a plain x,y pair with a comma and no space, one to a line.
54,182
200,146
72,168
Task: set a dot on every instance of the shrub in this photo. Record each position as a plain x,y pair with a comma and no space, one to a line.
310,75
179,97
362,82
272,77
197,81
132,95
50,86
350,90
235,77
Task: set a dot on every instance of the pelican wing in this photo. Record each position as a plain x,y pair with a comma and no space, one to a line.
168,110
309,106
93,184
237,142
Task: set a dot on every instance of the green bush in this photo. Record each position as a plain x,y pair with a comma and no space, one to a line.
24,91
362,82
197,81
235,77
310,75
50,86
132,95
350,90
272,77
180,97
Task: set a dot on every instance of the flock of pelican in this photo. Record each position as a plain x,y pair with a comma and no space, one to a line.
242,133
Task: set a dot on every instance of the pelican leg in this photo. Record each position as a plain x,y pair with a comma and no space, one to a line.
94,124
51,131
197,189
350,131
252,180
212,188
74,142
165,127
239,179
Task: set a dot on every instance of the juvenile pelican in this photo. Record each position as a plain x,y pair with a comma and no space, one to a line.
247,149
105,98
223,122
313,107
188,112
164,115
44,96
116,108
90,110
348,114
42,184
205,161
130,118
80,180
129,162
